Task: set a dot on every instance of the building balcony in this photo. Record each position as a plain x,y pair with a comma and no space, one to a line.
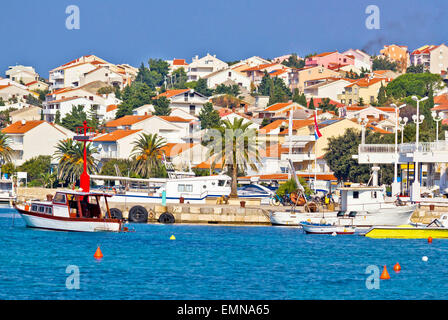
107,154
16,146
298,157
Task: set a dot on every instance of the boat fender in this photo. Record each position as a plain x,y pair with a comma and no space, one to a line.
114,190
138,214
116,214
166,218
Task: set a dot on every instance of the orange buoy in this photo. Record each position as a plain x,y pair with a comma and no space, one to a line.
98,254
430,239
385,274
397,267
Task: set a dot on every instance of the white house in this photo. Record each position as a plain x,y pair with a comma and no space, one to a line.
116,145
65,106
362,59
33,138
22,74
104,74
186,99
201,67
326,88
218,77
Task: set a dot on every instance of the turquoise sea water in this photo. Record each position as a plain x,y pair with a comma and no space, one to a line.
214,262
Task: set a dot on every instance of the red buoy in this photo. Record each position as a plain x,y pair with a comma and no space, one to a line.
385,275
98,254
430,239
397,267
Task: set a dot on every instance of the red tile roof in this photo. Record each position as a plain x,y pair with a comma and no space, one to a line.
171,93
115,135
179,62
126,120
277,106
173,149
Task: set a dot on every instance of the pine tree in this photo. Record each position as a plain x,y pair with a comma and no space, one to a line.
382,99
162,107
208,116
311,104
57,118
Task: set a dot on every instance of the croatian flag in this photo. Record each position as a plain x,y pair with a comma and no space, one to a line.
317,133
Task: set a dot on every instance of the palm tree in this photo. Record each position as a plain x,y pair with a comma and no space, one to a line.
235,145
146,153
48,179
70,155
5,149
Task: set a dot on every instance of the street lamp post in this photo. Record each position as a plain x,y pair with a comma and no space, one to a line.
418,119
402,122
437,118
395,184
363,122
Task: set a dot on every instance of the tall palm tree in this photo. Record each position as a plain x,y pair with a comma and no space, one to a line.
5,149
146,153
235,145
70,155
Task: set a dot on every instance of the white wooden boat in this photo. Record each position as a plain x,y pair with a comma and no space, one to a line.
326,228
70,211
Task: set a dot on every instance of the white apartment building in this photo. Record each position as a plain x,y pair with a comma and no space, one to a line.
33,138
200,67
221,76
22,74
187,100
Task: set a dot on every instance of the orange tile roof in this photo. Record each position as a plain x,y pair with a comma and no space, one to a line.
179,62
126,120
442,99
364,82
277,106
324,54
115,135
173,149
441,107
111,107
5,86
174,119
277,72
19,128
296,124
259,67
171,93
208,163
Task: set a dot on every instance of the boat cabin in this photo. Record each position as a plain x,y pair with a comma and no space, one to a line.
362,198
72,204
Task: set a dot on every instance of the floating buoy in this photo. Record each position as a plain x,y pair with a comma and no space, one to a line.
334,234
173,237
397,267
98,254
385,275
424,258
430,239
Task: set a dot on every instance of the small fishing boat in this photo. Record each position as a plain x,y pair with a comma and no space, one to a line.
70,211
326,228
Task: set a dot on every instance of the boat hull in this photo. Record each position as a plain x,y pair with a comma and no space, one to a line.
316,229
41,221
387,217
407,233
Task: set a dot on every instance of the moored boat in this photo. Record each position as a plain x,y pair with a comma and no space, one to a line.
326,228
70,211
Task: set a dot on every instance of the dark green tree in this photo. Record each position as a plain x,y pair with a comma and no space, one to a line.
311,104
209,117
162,107
382,63
202,88
382,99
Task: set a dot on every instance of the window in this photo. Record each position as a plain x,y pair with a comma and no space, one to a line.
185,188
59,198
374,195
221,183
48,210
34,208
41,209
355,194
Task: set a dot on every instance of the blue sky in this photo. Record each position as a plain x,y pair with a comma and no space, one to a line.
132,31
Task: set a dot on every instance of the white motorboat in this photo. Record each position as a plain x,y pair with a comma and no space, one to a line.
70,211
326,228
362,206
